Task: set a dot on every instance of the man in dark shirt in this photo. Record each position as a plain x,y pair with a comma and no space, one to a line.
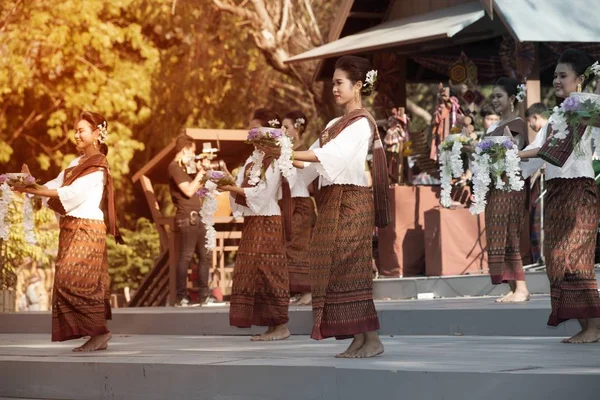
185,176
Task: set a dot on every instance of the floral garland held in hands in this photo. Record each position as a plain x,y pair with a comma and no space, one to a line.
208,192
270,137
452,164
495,160
6,196
6,181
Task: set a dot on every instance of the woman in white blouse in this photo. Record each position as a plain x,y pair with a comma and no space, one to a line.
260,294
572,211
341,246
81,292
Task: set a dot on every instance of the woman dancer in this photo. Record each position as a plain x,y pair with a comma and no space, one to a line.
303,217
572,209
260,294
505,211
81,293
341,246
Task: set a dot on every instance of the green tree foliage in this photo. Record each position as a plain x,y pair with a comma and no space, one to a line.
59,58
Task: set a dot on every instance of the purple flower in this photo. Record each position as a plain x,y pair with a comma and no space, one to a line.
215,175
276,134
570,104
485,145
508,144
202,192
30,179
254,134
3,178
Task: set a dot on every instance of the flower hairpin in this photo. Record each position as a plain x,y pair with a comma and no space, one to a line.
593,69
103,132
370,79
299,122
521,92
274,123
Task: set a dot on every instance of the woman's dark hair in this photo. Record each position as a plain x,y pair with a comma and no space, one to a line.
487,110
294,116
95,119
509,85
264,115
579,61
356,68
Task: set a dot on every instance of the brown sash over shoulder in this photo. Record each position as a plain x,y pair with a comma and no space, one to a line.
558,152
379,170
95,163
518,128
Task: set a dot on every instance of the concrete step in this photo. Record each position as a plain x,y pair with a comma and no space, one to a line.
233,368
467,316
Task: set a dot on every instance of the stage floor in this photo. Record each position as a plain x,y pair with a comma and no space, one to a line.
480,316
233,368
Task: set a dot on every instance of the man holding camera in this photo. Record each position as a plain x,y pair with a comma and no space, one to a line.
185,175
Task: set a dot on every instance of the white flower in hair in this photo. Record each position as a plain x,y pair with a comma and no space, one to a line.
371,78
274,123
593,69
103,132
299,122
521,92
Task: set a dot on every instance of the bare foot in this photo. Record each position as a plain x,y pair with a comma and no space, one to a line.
369,349
96,343
255,338
280,332
305,300
519,296
356,344
589,335
503,298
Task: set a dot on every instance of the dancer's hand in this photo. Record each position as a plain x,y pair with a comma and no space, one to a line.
273,151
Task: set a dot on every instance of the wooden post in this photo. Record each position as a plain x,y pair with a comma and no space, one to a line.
534,93
400,95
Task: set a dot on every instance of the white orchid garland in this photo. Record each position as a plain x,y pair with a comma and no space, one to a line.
272,137
28,221
5,201
494,157
285,162
207,212
451,164
256,170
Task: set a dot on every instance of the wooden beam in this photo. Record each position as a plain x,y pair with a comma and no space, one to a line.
145,170
340,20
366,15
238,135
488,6
157,216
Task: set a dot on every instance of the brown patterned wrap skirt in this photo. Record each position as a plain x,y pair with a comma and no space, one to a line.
504,219
571,223
340,266
81,292
261,290
297,249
